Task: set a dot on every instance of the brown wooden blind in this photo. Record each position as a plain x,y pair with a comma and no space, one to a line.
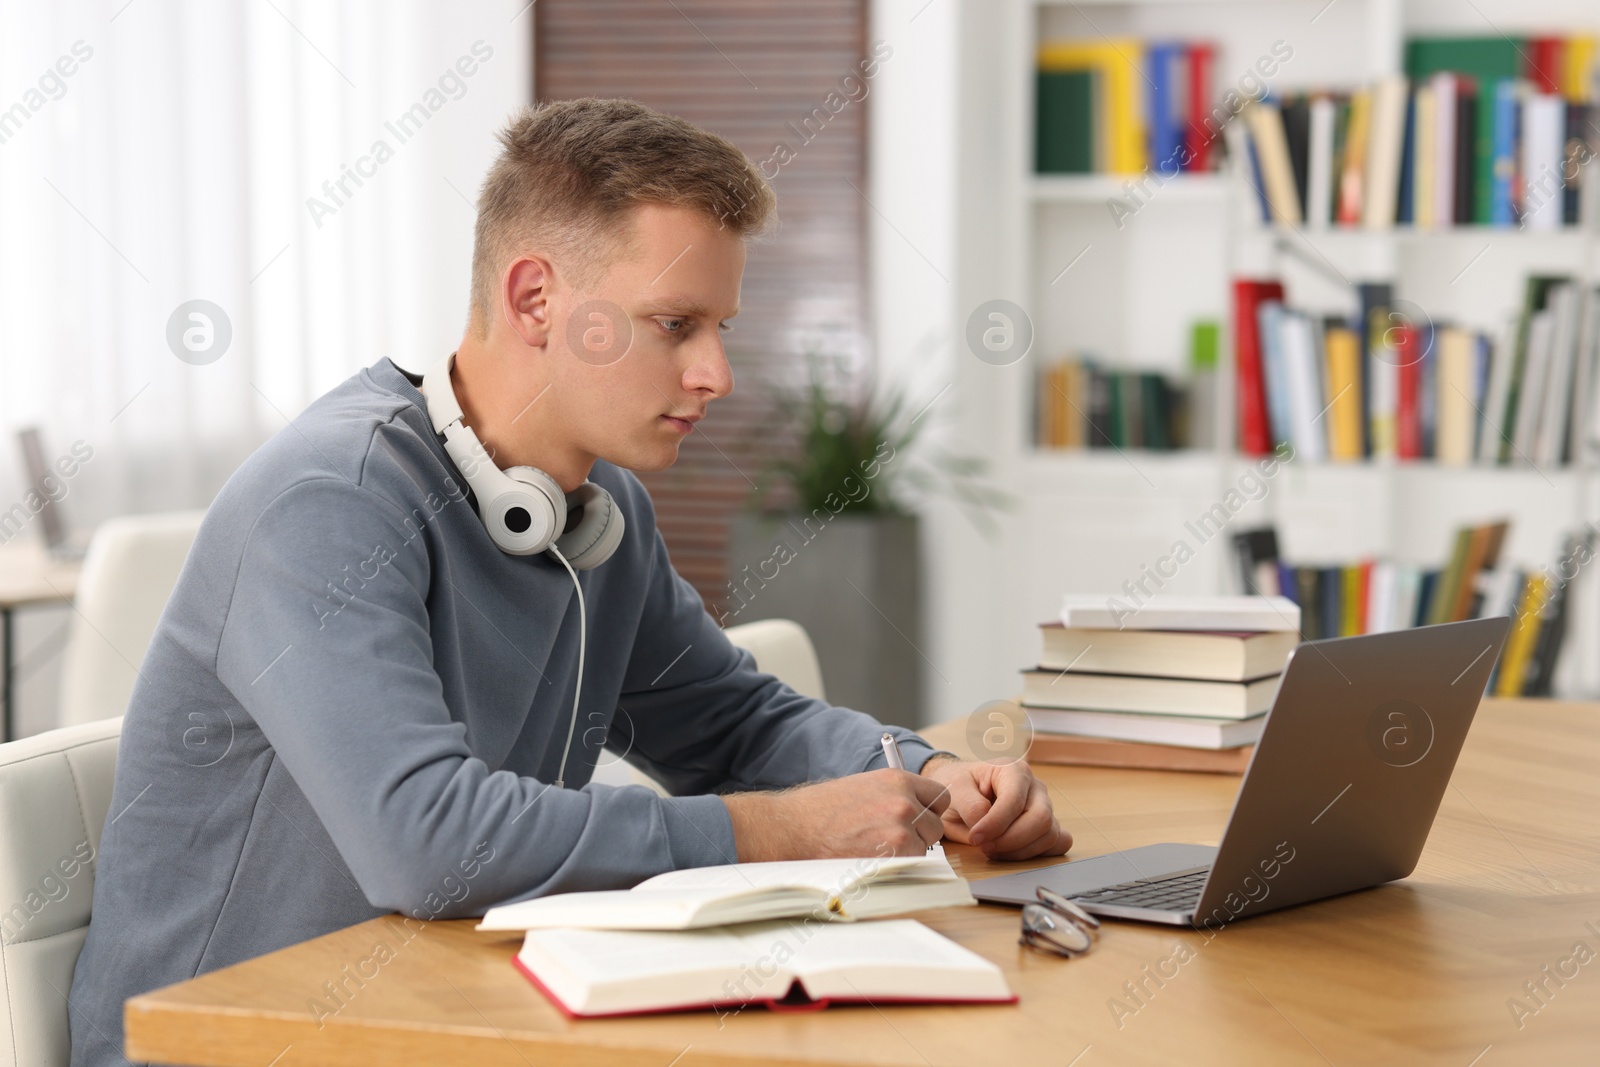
757,72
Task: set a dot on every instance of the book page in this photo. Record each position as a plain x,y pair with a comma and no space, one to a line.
891,958
599,972
834,877
602,957
660,909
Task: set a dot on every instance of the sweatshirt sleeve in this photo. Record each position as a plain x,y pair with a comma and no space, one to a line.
701,717
355,713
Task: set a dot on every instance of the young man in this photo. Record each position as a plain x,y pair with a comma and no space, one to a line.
358,702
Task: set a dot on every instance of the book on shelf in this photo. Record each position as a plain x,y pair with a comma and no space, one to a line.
1165,611
1186,731
589,973
1488,131
1474,582
1101,752
1255,554
1080,404
1118,120
838,890
1249,296
1122,105
1222,656
1376,385
1147,695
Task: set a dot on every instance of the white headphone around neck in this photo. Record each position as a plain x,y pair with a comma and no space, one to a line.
526,512
523,508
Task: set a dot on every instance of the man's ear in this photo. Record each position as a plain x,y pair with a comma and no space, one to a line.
525,299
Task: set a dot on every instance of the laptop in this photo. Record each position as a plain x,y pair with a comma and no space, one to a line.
52,520
1344,785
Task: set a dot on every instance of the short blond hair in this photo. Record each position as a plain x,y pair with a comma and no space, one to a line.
570,172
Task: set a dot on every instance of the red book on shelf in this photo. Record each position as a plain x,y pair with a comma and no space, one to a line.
1198,136
1408,416
1255,437
1544,64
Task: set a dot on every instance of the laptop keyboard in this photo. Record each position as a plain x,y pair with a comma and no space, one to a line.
1179,893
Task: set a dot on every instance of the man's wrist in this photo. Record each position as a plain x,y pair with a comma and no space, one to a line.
760,826
938,757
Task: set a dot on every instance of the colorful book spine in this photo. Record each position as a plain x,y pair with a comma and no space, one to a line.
1255,437
1408,414
1502,211
1166,135
1199,133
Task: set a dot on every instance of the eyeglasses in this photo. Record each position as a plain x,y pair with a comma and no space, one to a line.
1058,926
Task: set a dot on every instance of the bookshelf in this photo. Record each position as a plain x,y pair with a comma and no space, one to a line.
1087,521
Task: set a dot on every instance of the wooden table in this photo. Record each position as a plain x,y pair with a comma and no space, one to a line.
1423,971
28,576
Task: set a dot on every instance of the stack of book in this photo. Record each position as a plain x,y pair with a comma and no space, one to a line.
1176,683
1375,384
1489,131
1117,106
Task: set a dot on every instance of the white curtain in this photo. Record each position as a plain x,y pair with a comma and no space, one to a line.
154,153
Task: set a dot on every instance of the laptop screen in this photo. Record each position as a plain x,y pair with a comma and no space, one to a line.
40,478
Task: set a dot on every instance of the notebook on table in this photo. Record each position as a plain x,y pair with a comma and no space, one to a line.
839,890
588,973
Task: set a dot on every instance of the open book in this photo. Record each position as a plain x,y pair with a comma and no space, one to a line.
780,964
842,890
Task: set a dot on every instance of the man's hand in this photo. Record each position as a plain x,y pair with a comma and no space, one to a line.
876,813
1000,807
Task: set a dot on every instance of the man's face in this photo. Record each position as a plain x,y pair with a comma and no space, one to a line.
632,400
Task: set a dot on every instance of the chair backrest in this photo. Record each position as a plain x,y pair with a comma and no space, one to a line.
54,791
128,574
782,648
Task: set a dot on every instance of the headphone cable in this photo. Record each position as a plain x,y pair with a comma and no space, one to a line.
577,692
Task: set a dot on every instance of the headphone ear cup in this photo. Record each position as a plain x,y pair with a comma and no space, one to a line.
598,531
526,512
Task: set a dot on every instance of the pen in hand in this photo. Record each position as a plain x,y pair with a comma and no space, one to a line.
891,753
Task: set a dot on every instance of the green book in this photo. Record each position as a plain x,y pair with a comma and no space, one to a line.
1064,123
1449,584
1308,596
1486,60
1132,411
1535,295
1481,57
1154,416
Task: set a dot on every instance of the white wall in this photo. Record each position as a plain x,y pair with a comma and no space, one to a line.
928,274
178,164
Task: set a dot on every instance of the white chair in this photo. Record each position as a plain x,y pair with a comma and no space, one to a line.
780,647
55,788
128,574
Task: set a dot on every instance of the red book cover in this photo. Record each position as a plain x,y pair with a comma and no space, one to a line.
1198,139
1408,417
1544,64
1255,437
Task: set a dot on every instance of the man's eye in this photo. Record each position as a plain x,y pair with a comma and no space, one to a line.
671,325
725,327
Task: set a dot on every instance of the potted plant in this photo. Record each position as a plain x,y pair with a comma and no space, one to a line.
831,538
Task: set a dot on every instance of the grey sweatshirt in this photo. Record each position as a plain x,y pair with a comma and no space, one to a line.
354,702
